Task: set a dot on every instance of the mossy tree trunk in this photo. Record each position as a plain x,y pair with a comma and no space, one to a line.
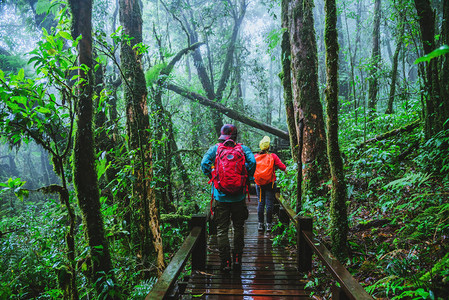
436,102
339,220
115,149
138,126
394,69
66,276
70,288
161,151
162,146
103,141
375,61
445,60
84,173
306,98
164,127
286,80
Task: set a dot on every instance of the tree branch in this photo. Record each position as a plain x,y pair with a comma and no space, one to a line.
167,70
230,53
406,128
228,111
177,19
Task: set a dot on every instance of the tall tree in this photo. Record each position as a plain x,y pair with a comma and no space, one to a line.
352,51
295,144
306,99
84,173
339,220
344,84
445,59
436,103
237,11
375,60
164,126
394,68
138,126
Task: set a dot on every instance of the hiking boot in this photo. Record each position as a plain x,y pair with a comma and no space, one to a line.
260,228
237,262
225,266
269,227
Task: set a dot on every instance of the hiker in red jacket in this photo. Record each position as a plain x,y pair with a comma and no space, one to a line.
229,165
265,178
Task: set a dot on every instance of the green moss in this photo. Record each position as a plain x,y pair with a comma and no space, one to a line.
152,75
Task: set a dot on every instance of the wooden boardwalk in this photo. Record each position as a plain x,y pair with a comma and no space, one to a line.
267,272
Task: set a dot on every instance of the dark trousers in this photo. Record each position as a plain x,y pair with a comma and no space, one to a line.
265,196
224,212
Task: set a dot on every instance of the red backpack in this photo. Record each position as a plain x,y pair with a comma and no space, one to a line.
230,175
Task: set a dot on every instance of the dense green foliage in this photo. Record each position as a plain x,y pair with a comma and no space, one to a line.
398,213
397,186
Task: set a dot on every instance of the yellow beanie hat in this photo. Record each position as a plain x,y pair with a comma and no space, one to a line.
264,143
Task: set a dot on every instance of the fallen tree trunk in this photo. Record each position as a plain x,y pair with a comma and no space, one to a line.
373,223
406,128
410,149
228,111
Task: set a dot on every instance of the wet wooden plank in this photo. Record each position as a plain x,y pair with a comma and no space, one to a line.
246,286
242,297
296,277
243,292
261,281
268,272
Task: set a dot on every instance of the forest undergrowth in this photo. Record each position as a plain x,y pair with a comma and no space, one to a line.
398,209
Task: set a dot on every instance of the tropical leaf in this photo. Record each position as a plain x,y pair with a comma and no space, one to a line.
435,53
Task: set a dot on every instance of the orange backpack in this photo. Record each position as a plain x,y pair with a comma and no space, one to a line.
264,169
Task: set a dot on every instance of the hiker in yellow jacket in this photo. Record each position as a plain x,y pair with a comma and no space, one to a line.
265,179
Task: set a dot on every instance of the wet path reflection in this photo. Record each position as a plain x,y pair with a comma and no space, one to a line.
267,272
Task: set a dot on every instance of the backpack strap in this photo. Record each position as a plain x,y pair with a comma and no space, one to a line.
213,172
211,203
274,170
231,141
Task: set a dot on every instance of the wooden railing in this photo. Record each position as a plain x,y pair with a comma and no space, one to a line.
195,242
307,245
167,286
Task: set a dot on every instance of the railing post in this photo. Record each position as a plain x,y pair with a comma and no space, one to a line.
283,216
304,255
212,226
199,252
276,208
338,293
276,203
